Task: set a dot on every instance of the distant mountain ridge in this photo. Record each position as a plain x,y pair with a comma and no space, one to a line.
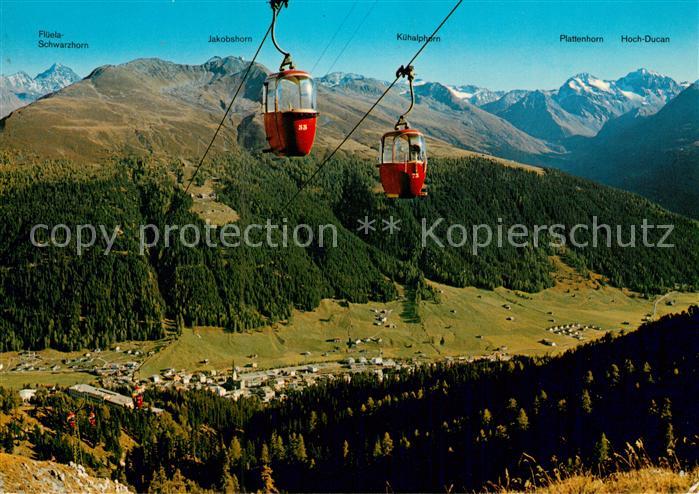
584,103
475,95
159,108
20,89
581,106
155,107
143,107
656,155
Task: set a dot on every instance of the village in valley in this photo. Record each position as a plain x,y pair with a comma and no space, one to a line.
375,340
232,383
121,368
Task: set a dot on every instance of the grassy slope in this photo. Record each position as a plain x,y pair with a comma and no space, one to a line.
31,379
19,473
65,376
477,312
654,480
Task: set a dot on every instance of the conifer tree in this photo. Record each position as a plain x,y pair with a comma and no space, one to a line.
298,448
267,480
613,374
589,378
312,421
229,484
235,451
602,450
345,451
377,451
522,420
586,402
387,444
486,417
265,458
277,447
669,437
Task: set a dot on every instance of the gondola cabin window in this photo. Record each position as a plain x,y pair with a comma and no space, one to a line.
403,148
290,93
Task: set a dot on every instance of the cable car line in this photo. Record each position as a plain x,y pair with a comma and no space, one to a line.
225,115
332,40
361,120
361,23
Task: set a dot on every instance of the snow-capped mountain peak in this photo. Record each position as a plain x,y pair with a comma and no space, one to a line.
459,94
642,87
646,82
339,78
585,102
19,89
646,72
586,83
15,81
56,77
468,93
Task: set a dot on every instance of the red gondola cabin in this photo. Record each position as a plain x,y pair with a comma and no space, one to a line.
403,163
290,112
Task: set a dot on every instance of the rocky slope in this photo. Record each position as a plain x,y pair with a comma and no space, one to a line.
21,474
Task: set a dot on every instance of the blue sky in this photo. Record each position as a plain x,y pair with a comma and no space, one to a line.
496,44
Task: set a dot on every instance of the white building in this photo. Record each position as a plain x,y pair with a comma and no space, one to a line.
100,395
218,390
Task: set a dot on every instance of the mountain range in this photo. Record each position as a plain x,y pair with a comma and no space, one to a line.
581,106
159,108
655,155
20,89
453,124
585,103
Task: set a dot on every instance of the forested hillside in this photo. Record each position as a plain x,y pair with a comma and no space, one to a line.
440,426
52,297
465,425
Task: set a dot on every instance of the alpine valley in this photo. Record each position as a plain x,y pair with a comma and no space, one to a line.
383,359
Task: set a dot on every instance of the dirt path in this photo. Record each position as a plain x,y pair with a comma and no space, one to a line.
655,304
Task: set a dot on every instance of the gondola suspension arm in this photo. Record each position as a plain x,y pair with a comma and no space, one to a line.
409,73
276,8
